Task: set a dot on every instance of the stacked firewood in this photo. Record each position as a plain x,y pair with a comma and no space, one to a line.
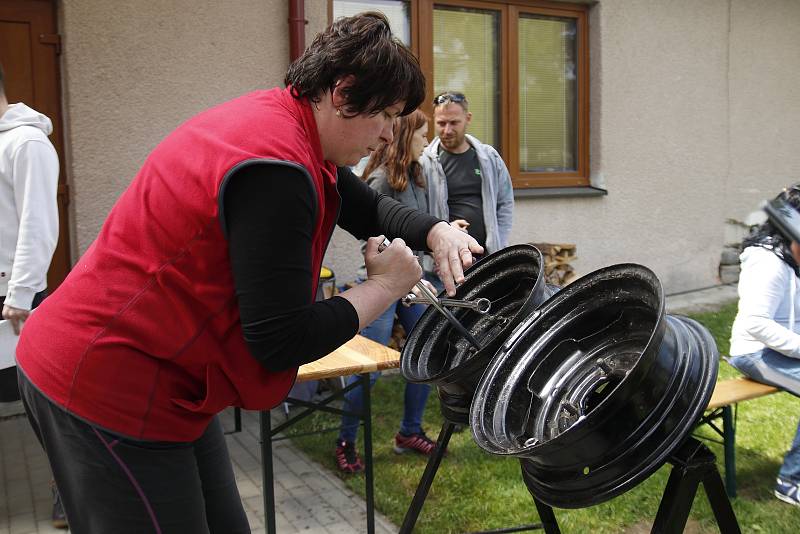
557,262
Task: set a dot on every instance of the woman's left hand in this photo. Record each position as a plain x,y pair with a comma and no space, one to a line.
452,251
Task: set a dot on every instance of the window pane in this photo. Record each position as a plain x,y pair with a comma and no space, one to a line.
466,58
397,11
547,94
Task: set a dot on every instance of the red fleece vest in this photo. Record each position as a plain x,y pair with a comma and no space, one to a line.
144,337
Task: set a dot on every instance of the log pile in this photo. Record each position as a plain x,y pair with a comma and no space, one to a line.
557,262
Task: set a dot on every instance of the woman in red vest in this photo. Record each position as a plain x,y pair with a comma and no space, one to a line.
198,293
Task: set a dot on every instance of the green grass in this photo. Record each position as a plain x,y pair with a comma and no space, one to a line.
477,491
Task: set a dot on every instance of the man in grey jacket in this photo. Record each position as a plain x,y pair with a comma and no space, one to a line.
468,182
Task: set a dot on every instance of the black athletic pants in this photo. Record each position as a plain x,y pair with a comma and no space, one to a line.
113,484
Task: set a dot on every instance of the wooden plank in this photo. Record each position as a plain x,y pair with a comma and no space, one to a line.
738,390
359,355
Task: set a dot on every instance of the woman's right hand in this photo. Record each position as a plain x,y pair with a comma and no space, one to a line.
396,269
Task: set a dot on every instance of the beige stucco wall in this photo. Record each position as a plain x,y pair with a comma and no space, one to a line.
133,71
694,115
764,104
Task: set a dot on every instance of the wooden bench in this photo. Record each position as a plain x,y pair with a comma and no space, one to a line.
723,405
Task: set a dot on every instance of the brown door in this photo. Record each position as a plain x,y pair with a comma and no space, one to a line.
29,48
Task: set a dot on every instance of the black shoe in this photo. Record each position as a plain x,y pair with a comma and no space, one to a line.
59,517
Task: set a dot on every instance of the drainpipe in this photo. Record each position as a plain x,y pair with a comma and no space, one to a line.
297,28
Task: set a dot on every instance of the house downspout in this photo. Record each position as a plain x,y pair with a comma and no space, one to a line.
297,28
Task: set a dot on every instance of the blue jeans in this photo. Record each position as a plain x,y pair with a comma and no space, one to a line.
416,395
771,367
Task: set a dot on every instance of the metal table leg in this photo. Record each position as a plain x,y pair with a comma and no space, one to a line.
427,478
729,441
267,471
368,474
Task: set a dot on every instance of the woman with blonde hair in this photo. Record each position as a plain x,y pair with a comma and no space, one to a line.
394,171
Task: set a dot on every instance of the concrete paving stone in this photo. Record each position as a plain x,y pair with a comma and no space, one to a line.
243,444
239,473
255,475
22,524
308,523
39,473
246,440
327,515
252,519
290,481
11,409
16,472
46,527
704,300
286,455
43,509
19,503
281,493
337,499
295,511
255,503
247,488
302,468
340,528
41,491
281,522
321,484
278,467
354,517
301,493
288,529
248,464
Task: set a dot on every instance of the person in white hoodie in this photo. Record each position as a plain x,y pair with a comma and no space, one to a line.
765,343
28,208
28,225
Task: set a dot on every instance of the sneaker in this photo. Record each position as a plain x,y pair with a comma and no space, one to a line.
347,458
414,442
59,517
788,492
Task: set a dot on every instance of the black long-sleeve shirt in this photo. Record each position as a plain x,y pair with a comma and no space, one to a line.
269,216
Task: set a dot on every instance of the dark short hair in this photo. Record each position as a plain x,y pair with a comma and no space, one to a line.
2,80
385,70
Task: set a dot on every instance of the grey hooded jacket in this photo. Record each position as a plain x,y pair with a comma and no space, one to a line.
496,190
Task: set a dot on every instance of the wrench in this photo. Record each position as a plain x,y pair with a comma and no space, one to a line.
428,294
480,305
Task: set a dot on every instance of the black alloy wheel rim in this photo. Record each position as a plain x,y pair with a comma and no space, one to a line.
434,352
595,388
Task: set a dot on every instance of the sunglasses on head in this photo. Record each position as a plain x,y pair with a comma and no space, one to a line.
444,98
